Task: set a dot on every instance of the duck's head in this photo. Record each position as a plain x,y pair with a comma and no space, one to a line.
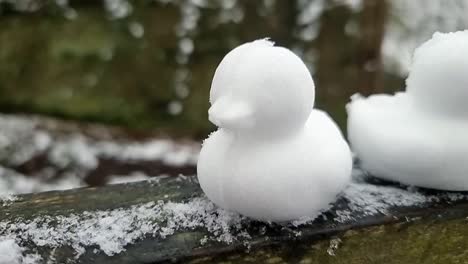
438,79
261,89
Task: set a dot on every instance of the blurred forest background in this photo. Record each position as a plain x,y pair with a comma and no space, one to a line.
148,64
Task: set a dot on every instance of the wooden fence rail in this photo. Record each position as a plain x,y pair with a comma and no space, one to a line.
432,230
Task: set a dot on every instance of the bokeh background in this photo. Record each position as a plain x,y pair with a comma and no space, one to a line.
135,75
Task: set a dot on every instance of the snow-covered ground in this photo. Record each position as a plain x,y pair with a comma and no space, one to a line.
34,159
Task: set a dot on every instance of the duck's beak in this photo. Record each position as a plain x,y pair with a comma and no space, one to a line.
228,114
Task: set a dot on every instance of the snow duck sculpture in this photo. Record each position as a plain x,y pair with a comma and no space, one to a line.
419,137
273,157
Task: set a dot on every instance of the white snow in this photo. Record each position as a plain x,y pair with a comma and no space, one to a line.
133,177
368,199
6,199
118,9
230,12
136,29
111,231
437,82
186,45
413,22
80,150
175,107
309,18
158,149
21,140
262,99
12,253
14,183
74,151
310,12
408,25
333,247
418,137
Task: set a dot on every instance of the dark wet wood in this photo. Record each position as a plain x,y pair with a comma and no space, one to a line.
103,198
269,242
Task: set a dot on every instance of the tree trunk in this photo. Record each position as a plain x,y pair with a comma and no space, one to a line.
372,30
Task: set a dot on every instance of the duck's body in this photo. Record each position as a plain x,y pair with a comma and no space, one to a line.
274,157
277,180
420,136
395,141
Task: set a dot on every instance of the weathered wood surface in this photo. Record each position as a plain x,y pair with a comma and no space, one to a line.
433,232
102,198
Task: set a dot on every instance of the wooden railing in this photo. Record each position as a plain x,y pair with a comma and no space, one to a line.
169,220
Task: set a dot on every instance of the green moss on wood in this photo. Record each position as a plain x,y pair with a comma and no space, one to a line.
428,241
